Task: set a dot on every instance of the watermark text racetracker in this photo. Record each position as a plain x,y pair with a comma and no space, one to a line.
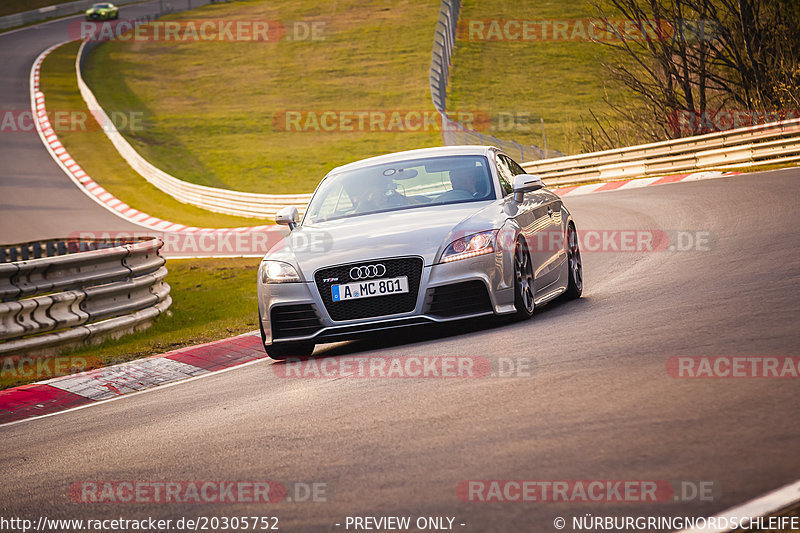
592,490
406,366
374,120
197,491
33,367
685,122
733,367
232,242
620,240
586,30
206,30
72,120
193,242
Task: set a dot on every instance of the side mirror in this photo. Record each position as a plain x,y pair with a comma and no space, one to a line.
526,183
288,216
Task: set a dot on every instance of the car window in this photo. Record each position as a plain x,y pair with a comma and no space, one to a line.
506,175
515,168
402,185
335,202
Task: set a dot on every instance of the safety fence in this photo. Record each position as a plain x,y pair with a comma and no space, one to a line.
773,143
78,291
453,133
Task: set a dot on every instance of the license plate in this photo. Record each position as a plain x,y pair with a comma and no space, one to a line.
367,289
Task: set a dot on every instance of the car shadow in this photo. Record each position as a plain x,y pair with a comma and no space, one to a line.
414,335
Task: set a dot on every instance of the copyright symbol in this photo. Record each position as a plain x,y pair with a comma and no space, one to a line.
559,522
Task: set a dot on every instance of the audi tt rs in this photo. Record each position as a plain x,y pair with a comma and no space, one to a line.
417,237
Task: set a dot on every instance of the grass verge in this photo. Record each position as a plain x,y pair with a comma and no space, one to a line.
90,147
212,109
759,168
556,80
212,299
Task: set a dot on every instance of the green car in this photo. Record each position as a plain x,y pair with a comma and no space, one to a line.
102,11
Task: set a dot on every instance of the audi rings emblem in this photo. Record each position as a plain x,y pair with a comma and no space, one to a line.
367,272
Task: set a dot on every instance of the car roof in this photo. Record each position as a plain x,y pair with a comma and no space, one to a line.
438,151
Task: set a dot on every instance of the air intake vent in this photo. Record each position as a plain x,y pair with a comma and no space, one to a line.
294,321
466,298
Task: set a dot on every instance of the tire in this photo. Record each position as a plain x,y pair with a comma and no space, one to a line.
282,350
523,281
574,265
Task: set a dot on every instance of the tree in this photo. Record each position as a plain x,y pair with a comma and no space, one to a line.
692,62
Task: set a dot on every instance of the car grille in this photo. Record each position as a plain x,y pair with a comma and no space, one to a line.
377,305
294,321
465,298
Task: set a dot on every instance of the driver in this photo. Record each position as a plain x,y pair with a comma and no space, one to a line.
381,194
468,179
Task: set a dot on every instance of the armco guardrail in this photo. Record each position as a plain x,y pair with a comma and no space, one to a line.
219,200
67,298
777,142
453,133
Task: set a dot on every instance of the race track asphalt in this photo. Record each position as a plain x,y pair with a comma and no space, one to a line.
37,199
600,404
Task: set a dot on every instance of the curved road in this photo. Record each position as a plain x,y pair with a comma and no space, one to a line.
600,404
37,200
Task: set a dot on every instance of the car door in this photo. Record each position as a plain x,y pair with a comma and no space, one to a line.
549,236
535,220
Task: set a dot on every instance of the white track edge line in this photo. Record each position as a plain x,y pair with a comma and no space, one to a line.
762,505
32,91
131,394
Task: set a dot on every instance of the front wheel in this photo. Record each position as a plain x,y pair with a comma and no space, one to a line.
575,285
523,281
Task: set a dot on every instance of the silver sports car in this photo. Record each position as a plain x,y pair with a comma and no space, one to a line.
415,237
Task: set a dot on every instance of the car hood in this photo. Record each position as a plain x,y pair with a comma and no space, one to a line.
422,231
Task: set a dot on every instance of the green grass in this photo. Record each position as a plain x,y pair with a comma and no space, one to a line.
209,106
760,168
212,299
557,80
97,156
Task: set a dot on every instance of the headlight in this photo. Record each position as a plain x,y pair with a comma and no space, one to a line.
277,272
470,246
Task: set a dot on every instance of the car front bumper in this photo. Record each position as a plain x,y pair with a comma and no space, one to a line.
488,270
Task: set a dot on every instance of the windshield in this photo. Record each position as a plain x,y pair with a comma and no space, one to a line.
402,185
